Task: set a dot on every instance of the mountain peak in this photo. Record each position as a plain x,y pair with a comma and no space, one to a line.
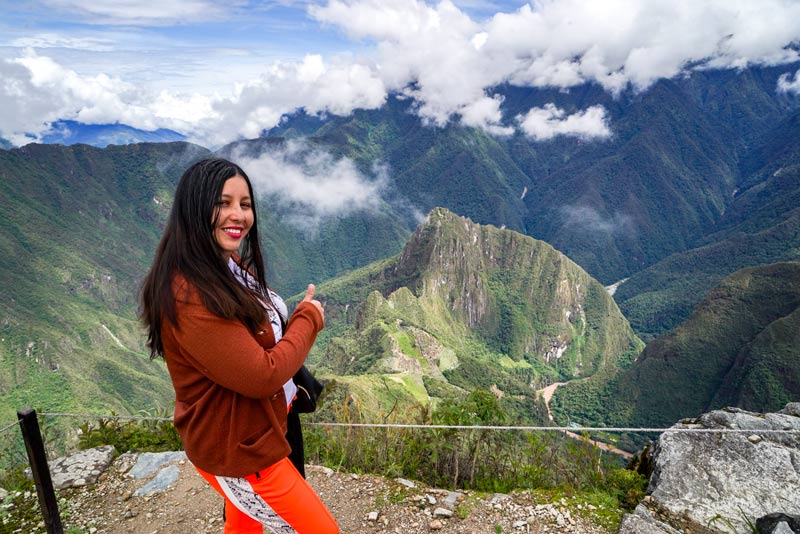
442,214
518,295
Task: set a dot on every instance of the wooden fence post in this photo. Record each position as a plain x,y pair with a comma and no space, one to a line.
41,472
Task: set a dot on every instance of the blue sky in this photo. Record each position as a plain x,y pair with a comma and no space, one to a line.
112,37
220,71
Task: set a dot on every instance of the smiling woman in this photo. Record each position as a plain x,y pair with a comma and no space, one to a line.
231,349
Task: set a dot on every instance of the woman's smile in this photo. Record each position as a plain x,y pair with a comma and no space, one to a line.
235,232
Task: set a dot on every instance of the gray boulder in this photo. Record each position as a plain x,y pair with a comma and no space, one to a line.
722,482
149,462
161,463
80,469
643,520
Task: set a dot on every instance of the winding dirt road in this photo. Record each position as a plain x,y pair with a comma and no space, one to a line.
547,394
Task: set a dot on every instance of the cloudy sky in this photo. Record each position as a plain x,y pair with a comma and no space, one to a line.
217,71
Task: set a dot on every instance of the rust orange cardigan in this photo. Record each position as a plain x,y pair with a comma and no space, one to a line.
230,409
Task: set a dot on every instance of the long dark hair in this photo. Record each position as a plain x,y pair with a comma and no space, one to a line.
188,248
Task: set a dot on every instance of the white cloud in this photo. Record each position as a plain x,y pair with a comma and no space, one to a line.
431,53
312,185
617,43
434,53
449,64
52,40
545,123
182,109
338,88
589,219
485,113
123,12
24,106
787,84
35,90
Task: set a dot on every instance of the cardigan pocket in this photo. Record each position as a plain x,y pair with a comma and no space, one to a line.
257,440
275,412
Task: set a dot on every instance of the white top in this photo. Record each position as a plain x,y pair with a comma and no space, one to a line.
247,280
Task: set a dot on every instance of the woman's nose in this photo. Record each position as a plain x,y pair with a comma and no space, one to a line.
235,213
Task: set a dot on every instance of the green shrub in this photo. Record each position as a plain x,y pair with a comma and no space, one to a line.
478,459
627,486
130,435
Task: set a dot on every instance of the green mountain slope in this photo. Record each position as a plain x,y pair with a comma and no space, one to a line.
743,101
466,306
78,227
739,348
662,296
765,373
761,226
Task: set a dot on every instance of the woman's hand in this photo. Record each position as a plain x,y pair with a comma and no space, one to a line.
310,298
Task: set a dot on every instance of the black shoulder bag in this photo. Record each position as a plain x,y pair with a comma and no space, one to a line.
308,391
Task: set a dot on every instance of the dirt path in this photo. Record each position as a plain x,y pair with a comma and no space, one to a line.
360,504
547,394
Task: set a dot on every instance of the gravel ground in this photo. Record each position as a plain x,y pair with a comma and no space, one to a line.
360,504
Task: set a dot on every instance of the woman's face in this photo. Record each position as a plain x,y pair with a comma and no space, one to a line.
235,215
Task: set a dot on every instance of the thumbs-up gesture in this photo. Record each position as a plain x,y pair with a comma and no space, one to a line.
310,298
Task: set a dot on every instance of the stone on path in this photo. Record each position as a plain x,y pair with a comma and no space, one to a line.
80,469
160,482
149,462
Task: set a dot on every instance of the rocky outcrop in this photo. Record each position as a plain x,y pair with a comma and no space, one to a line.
727,481
80,469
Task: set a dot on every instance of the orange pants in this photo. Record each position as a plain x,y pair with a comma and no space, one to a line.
277,497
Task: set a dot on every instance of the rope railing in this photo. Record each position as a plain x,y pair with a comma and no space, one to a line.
458,427
100,416
562,428
9,426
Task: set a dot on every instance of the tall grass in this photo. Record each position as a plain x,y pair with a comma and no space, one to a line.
485,460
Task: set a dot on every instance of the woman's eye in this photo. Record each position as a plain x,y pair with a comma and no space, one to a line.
245,205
